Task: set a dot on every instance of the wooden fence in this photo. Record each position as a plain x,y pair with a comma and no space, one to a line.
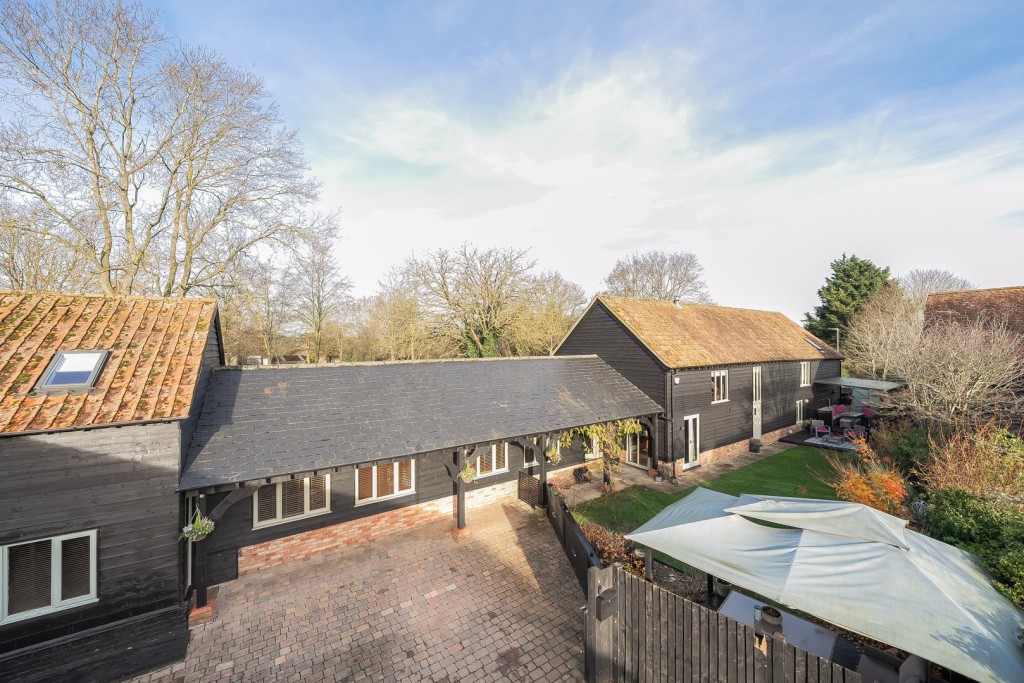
529,489
581,555
636,631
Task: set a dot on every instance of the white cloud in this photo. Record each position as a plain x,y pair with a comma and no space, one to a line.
602,163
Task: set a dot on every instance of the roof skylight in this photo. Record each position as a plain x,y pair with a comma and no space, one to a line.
814,343
70,370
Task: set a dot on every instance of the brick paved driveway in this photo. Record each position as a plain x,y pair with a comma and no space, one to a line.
500,604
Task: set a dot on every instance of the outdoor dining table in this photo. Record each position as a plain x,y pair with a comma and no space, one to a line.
798,632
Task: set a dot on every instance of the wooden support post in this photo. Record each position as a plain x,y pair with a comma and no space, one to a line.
460,497
649,564
542,458
199,571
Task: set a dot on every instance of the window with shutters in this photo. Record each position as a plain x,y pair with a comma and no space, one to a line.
385,480
494,462
47,575
291,500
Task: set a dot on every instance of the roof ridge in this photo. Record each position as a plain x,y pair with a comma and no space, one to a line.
975,291
378,363
690,304
96,295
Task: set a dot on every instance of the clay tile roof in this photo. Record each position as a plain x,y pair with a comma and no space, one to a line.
1003,305
693,335
156,346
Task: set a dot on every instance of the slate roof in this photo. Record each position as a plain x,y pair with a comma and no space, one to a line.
156,347
695,335
1002,305
259,423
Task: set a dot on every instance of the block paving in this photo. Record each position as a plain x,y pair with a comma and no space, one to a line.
500,604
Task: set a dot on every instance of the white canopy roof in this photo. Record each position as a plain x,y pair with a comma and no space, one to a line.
852,566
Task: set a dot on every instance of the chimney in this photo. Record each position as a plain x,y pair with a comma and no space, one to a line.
675,302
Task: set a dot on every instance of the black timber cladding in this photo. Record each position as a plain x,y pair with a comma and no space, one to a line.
263,423
120,481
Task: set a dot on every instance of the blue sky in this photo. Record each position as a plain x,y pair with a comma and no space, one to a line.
766,137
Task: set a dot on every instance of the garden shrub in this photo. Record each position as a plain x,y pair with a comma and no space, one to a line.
869,480
990,527
613,547
987,461
906,445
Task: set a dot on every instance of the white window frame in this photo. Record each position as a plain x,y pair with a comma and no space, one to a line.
716,374
396,493
56,575
805,373
801,410
594,452
632,443
493,456
530,448
278,518
47,385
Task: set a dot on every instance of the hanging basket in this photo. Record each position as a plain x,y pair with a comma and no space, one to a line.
198,529
468,475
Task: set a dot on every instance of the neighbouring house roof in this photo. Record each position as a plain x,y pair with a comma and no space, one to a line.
266,422
694,335
155,349
1003,305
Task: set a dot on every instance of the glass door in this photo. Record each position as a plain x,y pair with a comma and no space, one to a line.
691,441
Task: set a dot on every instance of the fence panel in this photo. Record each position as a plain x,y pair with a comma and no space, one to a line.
650,634
529,489
577,549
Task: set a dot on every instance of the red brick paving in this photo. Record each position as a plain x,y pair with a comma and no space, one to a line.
500,604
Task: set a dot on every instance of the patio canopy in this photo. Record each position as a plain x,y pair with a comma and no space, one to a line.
853,567
857,383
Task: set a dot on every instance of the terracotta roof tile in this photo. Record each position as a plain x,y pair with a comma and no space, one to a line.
692,335
156,347
1003,305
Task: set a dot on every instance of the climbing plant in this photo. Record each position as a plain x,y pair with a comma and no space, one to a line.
608,437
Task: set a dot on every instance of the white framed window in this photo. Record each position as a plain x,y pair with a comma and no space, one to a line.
72,371
47,575
801,410
592,450
719,386
287,501
384,480
493,463
631,445
805,373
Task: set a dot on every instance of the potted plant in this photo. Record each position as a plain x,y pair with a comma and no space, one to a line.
468,474
554,457
198,529
771,616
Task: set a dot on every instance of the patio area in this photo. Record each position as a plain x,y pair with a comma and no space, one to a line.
501,604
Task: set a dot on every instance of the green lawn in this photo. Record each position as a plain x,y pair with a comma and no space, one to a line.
795,472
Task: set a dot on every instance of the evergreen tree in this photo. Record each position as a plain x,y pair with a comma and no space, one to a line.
852,282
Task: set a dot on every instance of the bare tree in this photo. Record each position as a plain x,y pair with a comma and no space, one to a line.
319,286
887,329
478,293
553,306
32,262
158,166
659,275
918,284
961,374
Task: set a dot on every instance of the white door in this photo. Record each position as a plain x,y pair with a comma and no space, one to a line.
757,401
691,441
633,450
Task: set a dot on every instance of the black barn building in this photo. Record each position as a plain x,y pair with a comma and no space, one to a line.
98,401
724,375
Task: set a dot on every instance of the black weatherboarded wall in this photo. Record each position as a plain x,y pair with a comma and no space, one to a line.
121,482
236,531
